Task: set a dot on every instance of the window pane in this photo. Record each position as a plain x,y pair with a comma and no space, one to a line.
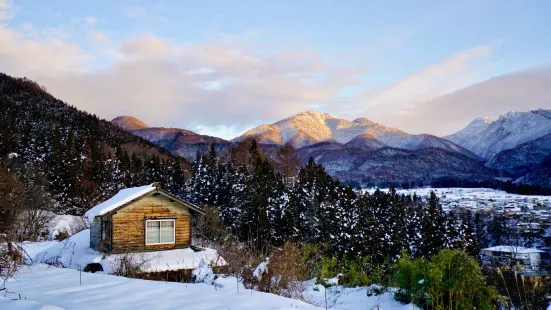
167,231
153,232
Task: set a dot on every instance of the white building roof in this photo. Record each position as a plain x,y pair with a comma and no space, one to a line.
124,196
512,249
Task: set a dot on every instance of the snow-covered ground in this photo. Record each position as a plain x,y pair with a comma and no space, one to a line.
61,287
45,285
75,253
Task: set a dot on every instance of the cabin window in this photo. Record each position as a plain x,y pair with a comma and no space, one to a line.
159,231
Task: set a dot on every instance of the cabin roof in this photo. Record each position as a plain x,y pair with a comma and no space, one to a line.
128,195
512,249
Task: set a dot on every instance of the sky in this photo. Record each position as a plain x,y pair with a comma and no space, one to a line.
223,67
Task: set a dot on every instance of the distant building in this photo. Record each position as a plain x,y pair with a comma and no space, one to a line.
505,255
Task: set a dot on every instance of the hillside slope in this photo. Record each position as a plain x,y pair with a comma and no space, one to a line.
81,157
181,142
381,166
523,157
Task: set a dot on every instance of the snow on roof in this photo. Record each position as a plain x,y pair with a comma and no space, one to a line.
122,197
512,249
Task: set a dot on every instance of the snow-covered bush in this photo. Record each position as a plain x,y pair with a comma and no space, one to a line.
203,274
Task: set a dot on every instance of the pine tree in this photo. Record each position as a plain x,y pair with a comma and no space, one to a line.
433,229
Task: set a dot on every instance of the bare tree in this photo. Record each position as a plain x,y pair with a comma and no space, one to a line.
11,199
287,162
209,229
36,213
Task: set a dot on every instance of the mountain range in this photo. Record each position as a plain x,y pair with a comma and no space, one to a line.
181,142
515,146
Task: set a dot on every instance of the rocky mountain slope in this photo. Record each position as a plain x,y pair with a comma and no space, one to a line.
182,142
312,127
487,138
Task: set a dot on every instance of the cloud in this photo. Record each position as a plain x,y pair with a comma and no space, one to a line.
22,55
398,104
225,86
433,81
519,91
5,5
209,85
217,86
90,20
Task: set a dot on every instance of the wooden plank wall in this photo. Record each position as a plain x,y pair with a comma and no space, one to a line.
129,224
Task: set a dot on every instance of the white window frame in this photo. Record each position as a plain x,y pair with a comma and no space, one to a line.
173,231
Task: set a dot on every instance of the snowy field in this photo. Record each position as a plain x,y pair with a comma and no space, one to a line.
460,193
50,288
479,198
46,287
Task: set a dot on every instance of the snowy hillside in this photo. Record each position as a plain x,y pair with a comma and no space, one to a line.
486,138
312,127
52,288
44,287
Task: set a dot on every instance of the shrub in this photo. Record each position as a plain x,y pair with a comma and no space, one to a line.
11,257
285,272
130,265
450,280
356,272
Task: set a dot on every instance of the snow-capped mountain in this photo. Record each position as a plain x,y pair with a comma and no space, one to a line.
312,127
486,138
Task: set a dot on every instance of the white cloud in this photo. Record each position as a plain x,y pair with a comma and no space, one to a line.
397,105
222,86
90,20
5,5
437,79
214,86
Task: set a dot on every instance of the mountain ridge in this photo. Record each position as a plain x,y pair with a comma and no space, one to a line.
311,127
487,138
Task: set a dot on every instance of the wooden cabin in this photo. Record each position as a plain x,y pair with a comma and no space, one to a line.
138,219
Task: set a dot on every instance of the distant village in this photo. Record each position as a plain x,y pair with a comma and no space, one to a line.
529,213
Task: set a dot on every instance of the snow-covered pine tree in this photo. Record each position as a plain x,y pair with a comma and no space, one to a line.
433,229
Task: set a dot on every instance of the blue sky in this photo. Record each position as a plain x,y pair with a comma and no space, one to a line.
264,60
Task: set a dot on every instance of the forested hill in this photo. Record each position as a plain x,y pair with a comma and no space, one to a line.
78,158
